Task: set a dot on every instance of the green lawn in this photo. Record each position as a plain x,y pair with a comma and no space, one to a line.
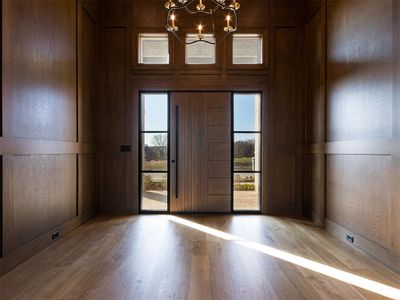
243,163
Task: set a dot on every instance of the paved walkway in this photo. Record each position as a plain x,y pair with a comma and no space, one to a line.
157,200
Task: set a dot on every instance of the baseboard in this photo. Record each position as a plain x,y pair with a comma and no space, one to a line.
377,252
28,250
89,214
317,219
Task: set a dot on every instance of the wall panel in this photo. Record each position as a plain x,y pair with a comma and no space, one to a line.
48,104
362,112
113,119
87,185
42,190
87,79
284,120
112,178
360,71
39,61
314,193
314,197
358,195
283,107
113,85
282,184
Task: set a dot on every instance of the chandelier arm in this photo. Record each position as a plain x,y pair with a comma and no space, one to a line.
236,20
212,22
218,4
192,42
193,12
210,12
182,5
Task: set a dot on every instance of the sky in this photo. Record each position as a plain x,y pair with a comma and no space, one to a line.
156,112
244,106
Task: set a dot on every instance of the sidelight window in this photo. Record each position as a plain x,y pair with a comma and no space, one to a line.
247,152
154,144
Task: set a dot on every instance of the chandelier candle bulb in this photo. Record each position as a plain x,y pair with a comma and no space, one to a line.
200,35
228,19
173,20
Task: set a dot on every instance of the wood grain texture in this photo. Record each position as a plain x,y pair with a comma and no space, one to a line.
314,206
39,63
113,167
385,256
87,196
351,202
120,258
359,76
314,199
112,182
315,114
112,122
87,76
282,186
361,124
396,127
10,146
40,193
48,117
283,118
198,148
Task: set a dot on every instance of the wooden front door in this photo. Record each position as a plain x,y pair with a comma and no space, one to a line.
200,152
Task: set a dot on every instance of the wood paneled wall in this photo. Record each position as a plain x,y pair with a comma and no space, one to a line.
331,125
357,155
314,202
48,123
280,79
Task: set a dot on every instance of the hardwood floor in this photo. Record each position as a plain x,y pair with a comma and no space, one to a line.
167,257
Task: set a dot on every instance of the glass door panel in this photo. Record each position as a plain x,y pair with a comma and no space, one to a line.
246,152
154,145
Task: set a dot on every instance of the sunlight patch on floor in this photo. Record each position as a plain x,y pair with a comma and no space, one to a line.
358,281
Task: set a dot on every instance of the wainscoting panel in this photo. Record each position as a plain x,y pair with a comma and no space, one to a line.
40,193
358,195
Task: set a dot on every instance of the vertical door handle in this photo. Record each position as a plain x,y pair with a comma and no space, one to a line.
176,151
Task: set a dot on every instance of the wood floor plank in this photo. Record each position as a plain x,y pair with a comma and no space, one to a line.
153,257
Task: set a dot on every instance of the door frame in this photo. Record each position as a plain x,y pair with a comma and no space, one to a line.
139,157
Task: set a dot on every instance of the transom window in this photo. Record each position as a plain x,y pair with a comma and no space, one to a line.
247,49
200,53
153,48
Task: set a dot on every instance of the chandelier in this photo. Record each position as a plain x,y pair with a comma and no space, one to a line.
207,8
